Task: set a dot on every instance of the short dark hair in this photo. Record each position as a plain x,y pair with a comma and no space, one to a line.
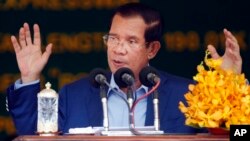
150,16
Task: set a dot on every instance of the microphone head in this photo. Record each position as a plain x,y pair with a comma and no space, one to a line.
121,75
98,76
145,75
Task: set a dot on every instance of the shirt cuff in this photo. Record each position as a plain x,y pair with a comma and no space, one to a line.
19,84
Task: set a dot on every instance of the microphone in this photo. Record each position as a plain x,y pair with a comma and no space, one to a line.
149,77
98,79
124,77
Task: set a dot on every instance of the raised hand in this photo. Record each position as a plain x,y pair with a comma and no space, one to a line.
231,58
30,58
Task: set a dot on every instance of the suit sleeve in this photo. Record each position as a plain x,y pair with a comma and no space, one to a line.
22,104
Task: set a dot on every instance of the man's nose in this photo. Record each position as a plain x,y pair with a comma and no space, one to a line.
121,47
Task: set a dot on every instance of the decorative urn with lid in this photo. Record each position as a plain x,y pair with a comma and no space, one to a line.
47,119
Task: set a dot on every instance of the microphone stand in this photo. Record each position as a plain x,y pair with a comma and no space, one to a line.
104,107
130,97
156,110
130,102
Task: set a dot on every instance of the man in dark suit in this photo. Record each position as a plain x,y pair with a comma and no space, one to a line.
132,41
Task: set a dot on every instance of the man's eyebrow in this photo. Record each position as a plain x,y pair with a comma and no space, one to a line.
133,37
127,37
112,34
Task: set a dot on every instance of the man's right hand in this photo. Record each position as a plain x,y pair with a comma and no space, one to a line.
30,58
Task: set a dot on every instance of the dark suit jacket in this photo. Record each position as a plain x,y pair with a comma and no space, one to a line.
80,106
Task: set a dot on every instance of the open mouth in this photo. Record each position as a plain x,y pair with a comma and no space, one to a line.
118,63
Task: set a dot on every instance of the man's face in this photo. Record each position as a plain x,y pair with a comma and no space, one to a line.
130,51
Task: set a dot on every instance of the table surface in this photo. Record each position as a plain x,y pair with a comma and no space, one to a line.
165,137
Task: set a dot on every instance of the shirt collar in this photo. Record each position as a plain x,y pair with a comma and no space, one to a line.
115,86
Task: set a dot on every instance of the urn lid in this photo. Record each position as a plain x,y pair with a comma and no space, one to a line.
48,92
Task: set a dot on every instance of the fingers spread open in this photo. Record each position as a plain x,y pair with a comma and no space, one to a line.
213,52
229,35
27,33
232,47
230,44
37,38
22,37
47,52
15,44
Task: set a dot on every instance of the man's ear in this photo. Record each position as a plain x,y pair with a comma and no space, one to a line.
153,48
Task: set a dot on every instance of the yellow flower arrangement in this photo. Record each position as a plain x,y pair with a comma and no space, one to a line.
218,99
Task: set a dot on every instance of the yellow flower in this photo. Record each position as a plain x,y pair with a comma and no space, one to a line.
218,99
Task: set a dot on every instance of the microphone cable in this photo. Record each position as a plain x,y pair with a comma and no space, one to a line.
117,93
132,108
131,113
